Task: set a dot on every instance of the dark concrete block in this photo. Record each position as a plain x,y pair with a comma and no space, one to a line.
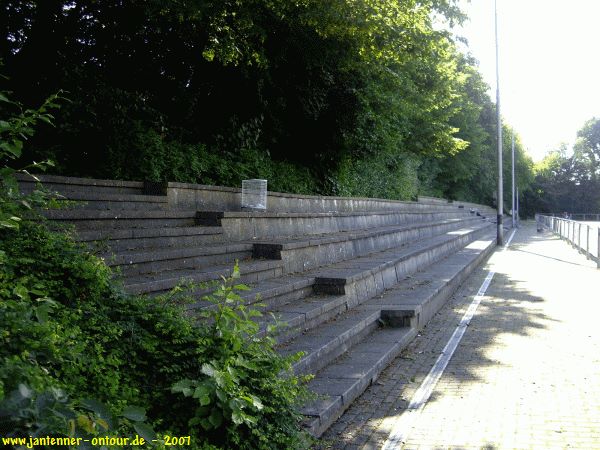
209,218
330,286
397,317
267,251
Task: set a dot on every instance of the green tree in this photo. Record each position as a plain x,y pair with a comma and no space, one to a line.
305,82
587,148
564,183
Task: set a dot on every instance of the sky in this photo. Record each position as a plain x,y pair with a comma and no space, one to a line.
549,63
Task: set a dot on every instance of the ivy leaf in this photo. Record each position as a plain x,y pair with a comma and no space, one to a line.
41,312
145,431
221,395
13,148
183,386
98,408
256,402
135,413
202,393
215,418
21,291
208,370
237,417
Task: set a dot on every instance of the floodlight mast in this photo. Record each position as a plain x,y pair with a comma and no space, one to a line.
500,200
514,219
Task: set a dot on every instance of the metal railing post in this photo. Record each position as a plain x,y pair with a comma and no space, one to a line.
598,254
587,245
562,228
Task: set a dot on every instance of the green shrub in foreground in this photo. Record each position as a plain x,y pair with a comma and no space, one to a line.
66,326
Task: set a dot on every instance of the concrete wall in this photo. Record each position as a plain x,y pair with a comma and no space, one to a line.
218,198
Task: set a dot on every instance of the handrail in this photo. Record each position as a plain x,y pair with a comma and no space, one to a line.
590,217
571,230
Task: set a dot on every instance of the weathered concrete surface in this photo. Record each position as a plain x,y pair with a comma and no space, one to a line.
220,198
526,374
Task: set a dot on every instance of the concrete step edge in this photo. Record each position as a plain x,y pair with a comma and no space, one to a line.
97,196
169,279
415,301
137,257
145,233
342,236
303,314
212,215
329,278
75,215
341,383
331,339
326,253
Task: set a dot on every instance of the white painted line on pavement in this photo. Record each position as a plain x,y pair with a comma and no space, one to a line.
405,423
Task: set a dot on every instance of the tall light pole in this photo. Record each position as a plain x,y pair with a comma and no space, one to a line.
518,217
500,230
512,192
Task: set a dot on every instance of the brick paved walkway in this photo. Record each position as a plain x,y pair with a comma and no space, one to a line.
526,374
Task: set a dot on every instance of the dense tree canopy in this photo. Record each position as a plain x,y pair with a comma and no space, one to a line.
350,97
569,182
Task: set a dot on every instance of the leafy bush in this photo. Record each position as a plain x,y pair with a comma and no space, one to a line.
66,326
380,175
147,154
244,385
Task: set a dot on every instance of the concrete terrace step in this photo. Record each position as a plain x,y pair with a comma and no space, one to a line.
292,297
62,184
280,291
89,219
251,272
323,344
342,382
303,310
142,233
135,262
305,253
161,237
382,270
390,321
114,201
416,300
250,225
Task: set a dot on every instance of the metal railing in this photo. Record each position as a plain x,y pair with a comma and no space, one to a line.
584,217
584,237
